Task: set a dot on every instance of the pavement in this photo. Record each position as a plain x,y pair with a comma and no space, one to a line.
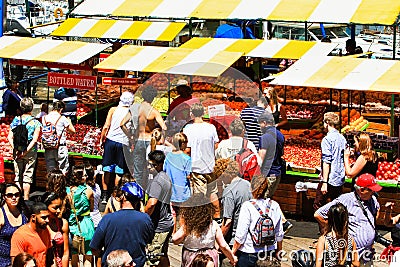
301,236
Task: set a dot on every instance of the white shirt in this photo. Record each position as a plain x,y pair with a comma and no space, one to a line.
230,147
61,126
247,220
201,140
115,132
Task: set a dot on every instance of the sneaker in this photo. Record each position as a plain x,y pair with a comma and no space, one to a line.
287,226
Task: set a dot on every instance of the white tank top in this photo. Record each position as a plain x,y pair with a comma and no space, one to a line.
115,132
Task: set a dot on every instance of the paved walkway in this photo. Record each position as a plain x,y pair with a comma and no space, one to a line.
301,236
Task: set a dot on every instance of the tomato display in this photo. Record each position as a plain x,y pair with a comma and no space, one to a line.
388,171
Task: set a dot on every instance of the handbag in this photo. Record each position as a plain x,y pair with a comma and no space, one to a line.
78,241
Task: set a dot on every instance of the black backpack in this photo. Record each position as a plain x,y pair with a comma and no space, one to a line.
20,140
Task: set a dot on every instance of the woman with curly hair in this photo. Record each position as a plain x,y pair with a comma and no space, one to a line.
199,232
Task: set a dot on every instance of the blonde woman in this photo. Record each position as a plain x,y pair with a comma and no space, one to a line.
366,158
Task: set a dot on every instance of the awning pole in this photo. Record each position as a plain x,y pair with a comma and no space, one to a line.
340,110
392,106
305,31
330,97
348,105
190,29
95,90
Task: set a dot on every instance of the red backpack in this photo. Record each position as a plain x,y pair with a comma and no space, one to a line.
248,164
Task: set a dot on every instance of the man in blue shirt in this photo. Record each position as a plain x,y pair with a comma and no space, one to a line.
332,164
127,229
12,98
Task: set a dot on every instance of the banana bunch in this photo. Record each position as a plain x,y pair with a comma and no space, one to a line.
356,125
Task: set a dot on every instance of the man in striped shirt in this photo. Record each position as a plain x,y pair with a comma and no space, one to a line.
250,116
360,227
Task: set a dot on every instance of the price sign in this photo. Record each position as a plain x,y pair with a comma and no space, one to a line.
216,110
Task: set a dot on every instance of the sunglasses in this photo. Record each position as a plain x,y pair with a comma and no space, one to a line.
11,195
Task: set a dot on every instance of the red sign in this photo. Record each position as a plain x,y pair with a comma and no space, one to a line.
118,81
71,81
101,58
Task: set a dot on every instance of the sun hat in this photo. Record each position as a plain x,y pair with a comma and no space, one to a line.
367,180
126,99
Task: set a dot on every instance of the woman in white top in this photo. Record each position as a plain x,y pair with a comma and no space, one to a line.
246,251
277,109
114,139
199,232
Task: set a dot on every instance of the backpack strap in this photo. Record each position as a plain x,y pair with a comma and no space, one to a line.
268,206
257,207
245,141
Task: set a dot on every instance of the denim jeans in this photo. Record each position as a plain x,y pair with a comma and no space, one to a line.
140,162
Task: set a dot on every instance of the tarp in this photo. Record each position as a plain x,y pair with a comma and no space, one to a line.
382,12
343,73
119,29
173,60
45,50
279,48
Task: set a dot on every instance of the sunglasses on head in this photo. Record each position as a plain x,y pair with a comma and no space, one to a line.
11,195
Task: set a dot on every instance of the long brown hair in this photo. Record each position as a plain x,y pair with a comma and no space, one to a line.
365,147
22,258
197,214
338,222
156,136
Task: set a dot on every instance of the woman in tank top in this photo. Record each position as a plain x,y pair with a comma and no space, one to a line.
11,218
59,230
336,246
366,162
277,109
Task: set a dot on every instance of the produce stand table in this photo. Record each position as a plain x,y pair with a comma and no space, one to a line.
300,204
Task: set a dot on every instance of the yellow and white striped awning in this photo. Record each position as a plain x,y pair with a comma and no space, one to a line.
343,73
279,48
327,11
45,50
120,29
173,60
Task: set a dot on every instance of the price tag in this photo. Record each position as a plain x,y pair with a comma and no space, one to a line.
216,110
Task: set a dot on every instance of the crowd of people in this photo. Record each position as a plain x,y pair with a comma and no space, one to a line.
166,190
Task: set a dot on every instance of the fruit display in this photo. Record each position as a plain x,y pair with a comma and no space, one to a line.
388,171
354,116
313,134
357,125
304,112
5,147
303,154
105,95
82,110
86,140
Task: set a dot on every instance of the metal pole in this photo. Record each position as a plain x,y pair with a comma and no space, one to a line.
340,110
190,28
348,105
353,31
305,31
3,20
330,98
392,117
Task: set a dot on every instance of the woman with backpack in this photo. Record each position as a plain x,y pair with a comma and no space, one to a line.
199,233
259,232
54,138
24,134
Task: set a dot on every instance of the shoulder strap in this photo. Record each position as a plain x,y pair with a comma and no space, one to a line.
256,206
71,194
364,211
55,124
268,206
245,141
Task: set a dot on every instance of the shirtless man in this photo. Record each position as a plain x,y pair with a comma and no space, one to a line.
148,117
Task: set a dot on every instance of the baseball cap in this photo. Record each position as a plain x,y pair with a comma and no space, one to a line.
126,99
182,82
367,180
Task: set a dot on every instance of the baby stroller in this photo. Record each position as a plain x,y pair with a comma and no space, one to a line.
392,251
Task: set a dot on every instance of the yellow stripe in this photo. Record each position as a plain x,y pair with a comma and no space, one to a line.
167,60
136,8
171,31
293,10
17,47
382,12
66,27
333,72
196,43
294,49
218,64
99,28
212,9
116,60
60,51
389,81
243,46
135,30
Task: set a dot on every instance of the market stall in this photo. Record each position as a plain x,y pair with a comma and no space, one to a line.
67,54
